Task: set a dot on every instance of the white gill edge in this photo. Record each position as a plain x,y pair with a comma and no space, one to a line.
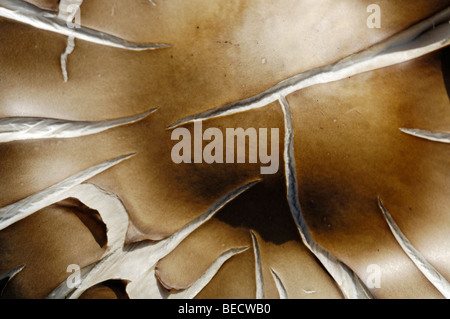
136,262
21,209
440,137
29,128
423,38
349,283
258,268
68,10
435,278
204,279
279,284
6,277
26,13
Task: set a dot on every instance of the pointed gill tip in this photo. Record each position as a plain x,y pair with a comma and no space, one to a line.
383,209
146,46
170,127
380,202
127,156
150,111
241,249
175,125
254,182
249,185
162,46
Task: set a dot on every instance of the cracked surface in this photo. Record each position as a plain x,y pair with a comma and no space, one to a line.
349,148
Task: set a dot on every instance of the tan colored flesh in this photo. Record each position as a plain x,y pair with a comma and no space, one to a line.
349,149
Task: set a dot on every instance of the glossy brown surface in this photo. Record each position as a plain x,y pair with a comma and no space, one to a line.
348,146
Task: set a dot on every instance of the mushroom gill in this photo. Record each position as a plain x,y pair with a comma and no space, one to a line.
87,132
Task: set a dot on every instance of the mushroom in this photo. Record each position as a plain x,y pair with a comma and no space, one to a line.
357,209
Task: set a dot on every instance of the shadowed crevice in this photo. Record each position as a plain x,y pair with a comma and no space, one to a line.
89,217
109,289
263,209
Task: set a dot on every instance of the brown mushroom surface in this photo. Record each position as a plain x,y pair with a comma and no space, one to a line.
349,149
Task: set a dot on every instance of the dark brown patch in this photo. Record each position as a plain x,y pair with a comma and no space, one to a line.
110,289
89,217
264,209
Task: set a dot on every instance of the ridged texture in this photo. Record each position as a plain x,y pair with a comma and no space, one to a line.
7,276
136,262
27,128
435,278
428,135
348,282
26,13
201,283
31,204
280,286
68,9
258,268
422,38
